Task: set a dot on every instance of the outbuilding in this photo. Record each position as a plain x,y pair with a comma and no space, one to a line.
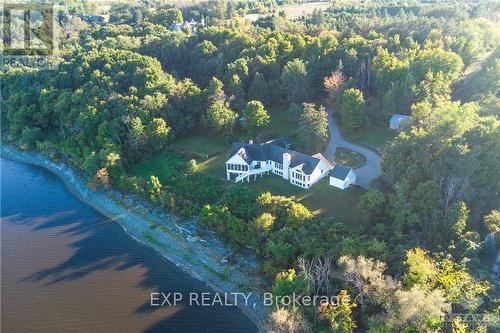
342,177
399,121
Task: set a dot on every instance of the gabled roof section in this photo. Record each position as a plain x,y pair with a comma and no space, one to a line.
283,142
321,157
309,163
340,172
249,152
273,151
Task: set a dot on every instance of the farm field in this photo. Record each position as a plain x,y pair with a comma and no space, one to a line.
297,10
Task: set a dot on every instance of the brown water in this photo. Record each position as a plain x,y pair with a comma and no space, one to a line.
66,268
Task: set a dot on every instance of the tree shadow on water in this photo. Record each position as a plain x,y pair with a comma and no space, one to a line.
101,244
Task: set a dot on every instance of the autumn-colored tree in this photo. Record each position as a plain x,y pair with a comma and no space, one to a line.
102,177
333,83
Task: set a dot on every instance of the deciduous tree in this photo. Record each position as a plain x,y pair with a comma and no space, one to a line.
256,117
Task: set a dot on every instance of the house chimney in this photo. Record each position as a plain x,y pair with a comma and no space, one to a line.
286,164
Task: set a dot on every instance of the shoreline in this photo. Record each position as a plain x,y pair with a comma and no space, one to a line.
199,258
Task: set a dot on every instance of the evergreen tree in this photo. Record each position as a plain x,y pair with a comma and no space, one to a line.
313,128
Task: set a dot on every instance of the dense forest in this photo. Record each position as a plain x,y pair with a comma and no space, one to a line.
127,90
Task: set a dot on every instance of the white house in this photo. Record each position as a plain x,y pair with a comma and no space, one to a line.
399,121
191,25
342,177
249,160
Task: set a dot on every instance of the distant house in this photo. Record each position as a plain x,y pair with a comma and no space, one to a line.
249,160
342,177
91,19
251,17
191,25
399,121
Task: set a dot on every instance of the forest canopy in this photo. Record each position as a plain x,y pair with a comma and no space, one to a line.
126,91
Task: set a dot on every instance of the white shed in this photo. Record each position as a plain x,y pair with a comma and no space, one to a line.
399,121
342,177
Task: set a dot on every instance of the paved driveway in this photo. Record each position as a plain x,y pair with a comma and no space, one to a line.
366,173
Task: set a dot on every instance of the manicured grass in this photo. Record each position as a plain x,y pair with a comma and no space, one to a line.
328,201
211,154
214,166
376,136
163,166
280,125
274,184
322,199
348,158
202,145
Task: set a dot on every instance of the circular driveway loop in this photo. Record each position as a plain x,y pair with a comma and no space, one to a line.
368,171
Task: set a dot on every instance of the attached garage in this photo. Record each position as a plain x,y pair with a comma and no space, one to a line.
342,177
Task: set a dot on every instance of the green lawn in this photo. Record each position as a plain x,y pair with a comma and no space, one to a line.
163,166
211,154
214,166
280,125
322,199
376,136
201,145
348,158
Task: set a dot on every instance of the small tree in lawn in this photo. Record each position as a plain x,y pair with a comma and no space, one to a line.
159,134
256,116
155,193
352,107
191,167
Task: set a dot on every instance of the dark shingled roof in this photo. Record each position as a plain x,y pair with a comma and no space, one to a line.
340,172
273,151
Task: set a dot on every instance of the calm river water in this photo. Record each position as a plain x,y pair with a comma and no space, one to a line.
67,268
